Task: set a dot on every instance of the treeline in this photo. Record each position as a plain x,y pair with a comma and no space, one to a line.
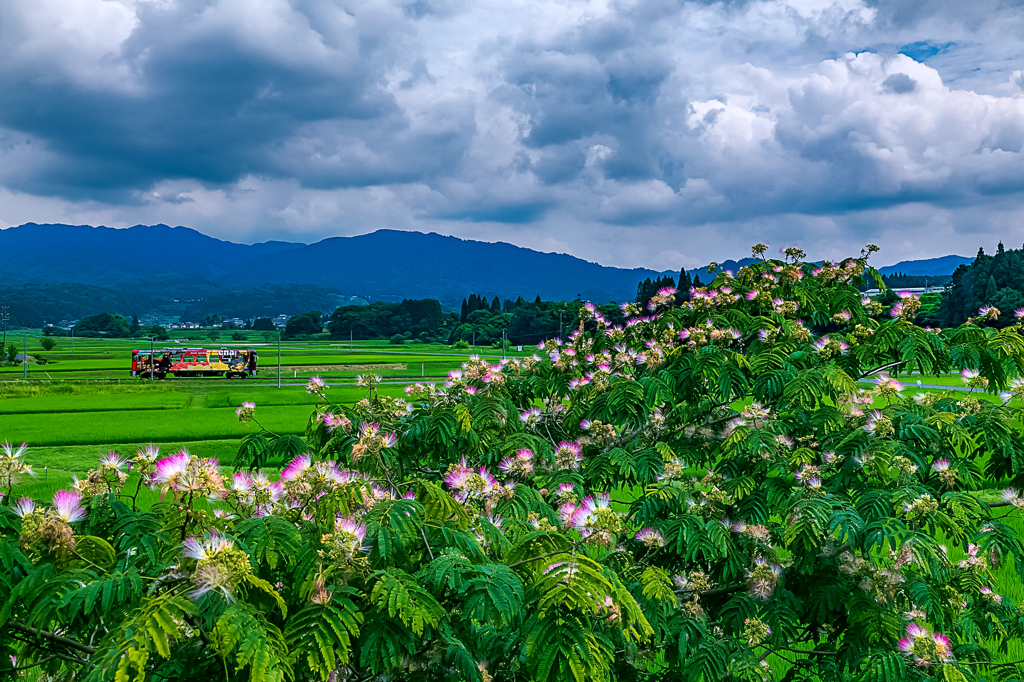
996,280
170,296
900,280
648,288
479,322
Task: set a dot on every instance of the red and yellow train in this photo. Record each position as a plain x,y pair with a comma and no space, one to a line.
192,363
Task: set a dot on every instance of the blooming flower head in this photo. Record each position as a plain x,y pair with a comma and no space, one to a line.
1012,496
246,412
67,505
531,416
347,540
11,463
297,467
650,537
521,465
24,506
762,578
568,455
316,385
184,472
887,386
595,519
1018,313
973,378
989,595
115,461
368,380
879,425
940,465
989,312
220,566
923,647
332,422
830,347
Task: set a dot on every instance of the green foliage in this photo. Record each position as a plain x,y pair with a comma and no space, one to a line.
303,325
728,487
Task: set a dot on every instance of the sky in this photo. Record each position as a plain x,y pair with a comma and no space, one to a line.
653,133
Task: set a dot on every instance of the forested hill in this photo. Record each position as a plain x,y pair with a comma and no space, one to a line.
387,264
416,265
996,280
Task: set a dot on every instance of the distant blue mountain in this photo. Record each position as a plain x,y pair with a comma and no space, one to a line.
106,256
383,265
929,267
392,264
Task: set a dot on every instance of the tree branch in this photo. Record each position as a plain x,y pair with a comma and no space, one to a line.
57,639
882,368
29,666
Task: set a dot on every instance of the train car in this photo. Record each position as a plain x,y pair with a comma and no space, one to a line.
193,362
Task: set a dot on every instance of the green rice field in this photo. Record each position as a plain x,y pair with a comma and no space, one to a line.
75,407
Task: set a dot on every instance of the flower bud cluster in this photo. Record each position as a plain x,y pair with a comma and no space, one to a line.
906,308
594,518
220,566
707,333
372,440
921,509
50,528
186,473
109,477
755,631
925,648
883,582
12,466
597,433
247,412
344,546
477,487
762,578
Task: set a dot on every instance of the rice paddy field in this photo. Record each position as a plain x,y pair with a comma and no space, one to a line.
77,405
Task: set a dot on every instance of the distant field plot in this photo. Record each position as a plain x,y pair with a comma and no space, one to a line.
94,403
143,426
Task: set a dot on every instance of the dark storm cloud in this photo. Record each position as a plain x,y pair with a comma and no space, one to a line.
566,125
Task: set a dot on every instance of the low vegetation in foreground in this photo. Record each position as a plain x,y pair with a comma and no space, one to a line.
709,491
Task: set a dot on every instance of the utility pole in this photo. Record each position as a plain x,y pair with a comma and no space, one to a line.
152,360
4,317
279,358
25,361
72,340
349,340
474,339
502,344
559,324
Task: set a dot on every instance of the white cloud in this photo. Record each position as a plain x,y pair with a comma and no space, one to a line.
625,132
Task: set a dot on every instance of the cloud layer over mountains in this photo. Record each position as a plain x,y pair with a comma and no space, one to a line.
636,133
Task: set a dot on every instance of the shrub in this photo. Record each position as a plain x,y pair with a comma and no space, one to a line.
710,487
397,339
461,345
48,343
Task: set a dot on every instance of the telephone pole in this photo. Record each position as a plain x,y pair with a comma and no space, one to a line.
24,362
279,358
4,317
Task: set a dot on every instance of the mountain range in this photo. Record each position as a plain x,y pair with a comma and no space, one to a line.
180,269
